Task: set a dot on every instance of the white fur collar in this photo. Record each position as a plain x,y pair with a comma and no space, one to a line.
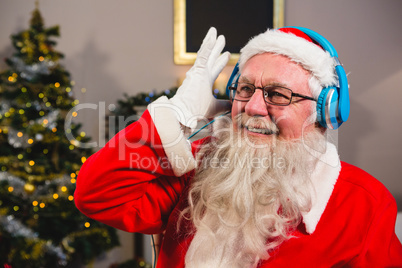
323,178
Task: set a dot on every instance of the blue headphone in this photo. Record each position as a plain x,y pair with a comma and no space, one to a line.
333,105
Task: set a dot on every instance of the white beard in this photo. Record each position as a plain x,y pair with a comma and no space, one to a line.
246,198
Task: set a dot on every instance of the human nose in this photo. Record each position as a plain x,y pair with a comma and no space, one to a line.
257,105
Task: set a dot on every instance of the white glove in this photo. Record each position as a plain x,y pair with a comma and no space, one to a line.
194,97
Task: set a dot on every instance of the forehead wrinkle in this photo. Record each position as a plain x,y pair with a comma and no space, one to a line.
245,79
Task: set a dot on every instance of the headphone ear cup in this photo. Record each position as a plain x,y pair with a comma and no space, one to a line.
321,107
327,108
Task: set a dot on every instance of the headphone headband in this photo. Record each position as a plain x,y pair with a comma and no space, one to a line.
344,102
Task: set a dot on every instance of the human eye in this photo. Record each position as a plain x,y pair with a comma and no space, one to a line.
245,90
277,95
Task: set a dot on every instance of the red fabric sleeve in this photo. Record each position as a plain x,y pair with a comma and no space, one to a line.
129,184
382,247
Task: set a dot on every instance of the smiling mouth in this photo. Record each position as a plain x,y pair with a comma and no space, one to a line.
263,131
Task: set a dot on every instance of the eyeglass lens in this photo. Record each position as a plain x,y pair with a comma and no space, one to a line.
272,94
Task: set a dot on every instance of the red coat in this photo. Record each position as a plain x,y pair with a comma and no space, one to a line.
134,184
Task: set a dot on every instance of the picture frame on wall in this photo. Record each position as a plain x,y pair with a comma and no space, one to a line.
237,20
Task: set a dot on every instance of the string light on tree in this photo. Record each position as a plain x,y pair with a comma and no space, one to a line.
29,188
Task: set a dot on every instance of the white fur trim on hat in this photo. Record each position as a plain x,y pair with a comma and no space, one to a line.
314,59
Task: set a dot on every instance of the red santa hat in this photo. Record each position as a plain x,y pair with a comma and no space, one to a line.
296,45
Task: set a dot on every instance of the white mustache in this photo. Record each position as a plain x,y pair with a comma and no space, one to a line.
257,124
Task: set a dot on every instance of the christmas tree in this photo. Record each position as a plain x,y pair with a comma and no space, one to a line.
39,223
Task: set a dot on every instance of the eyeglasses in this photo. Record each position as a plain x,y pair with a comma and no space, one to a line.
275,95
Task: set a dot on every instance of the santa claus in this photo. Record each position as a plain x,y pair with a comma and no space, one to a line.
266,189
